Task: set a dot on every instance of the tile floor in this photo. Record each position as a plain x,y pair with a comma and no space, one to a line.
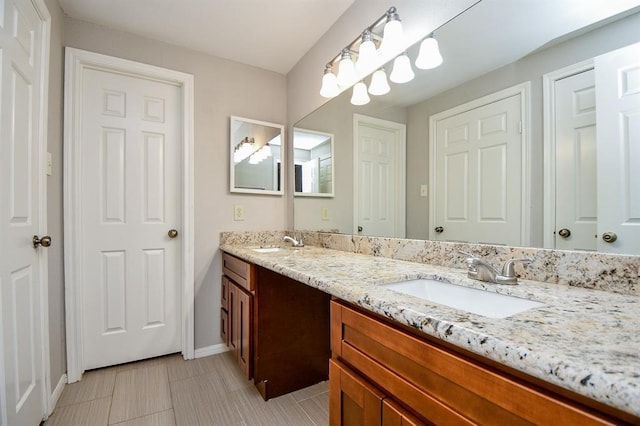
169,391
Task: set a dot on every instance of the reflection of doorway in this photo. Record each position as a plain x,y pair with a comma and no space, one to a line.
571,202
379,177
479,171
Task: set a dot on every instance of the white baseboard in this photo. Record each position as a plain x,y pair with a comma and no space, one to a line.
211,350
55,395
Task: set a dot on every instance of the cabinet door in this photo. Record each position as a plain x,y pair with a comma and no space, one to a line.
394,415
242,321
234,340
224,326
352,401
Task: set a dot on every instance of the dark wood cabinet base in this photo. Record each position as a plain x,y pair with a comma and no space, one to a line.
291,323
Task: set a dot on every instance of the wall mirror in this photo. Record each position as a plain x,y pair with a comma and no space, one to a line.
513,51
313,163
256,153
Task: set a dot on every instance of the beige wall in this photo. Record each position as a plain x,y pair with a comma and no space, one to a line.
222,88
57,348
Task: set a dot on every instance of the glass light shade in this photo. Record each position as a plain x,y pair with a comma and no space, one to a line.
429,56
393,37
366,55
267,151
360,95
346,70
402,71
329,87
379,85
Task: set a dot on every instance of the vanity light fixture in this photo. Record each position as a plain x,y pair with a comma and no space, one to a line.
429,55
370,49
393,35
329,84
367,53
346,69
363,48
402,72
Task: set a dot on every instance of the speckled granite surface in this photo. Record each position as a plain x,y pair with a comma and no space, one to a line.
608,272
583,340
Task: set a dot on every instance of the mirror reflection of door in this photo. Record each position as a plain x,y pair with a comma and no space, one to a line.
618,140
379,177
575,170
478,171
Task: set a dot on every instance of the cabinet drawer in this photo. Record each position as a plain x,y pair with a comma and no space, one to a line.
437,383
238,270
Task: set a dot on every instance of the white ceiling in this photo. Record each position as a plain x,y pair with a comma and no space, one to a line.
273,35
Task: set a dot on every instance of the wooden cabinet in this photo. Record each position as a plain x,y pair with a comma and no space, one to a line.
353,401
424,381
276,327
238,283
291,334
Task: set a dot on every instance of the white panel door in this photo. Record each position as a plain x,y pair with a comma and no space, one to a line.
22,212
131,198
576,159
618,115
478,174
377,180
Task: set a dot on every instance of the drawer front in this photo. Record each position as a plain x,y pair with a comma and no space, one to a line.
434,381
238,270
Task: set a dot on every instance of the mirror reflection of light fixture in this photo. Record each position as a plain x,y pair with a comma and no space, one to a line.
429,55
360,95
402,72
379,85
346,69
329,83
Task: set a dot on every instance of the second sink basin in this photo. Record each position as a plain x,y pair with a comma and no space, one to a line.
485,303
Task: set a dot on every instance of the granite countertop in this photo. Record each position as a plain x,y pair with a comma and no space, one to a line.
587,341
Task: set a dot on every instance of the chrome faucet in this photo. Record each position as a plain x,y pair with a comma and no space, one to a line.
293,241
480,270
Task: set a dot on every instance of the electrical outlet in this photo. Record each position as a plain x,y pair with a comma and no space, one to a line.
424,190
325,213
238,212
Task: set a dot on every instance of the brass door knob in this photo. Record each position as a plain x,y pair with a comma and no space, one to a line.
44,241
564,233
172,233
439,229
609,237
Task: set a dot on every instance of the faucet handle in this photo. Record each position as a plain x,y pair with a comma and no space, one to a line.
508,269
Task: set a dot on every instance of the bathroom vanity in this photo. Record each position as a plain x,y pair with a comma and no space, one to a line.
402,359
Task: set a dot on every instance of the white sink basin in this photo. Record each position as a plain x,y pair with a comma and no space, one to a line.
485,303
268,249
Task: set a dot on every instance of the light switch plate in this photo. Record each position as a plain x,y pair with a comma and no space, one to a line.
238,212
325,213
424,190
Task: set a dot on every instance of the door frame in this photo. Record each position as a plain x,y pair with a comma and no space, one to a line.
522,89
549,81
76,62
400,134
